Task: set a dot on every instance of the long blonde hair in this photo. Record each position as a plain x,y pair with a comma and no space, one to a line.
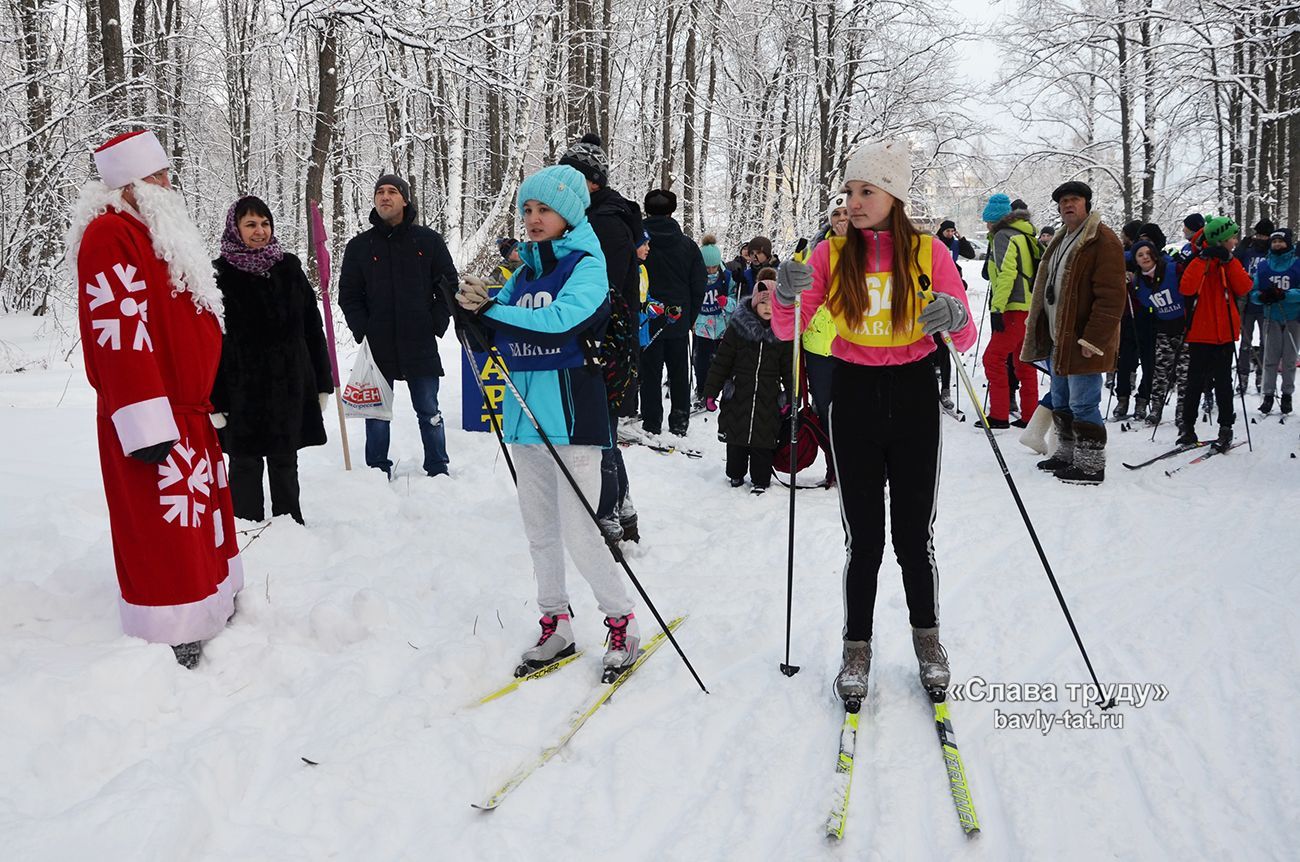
848,298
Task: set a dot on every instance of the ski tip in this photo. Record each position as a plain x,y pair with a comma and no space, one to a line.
484,806
936,694
852,705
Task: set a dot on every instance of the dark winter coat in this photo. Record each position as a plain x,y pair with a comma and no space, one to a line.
274,362
677,275
757,365
617,223
395,287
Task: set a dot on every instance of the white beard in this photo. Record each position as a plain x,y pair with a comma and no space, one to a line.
174,236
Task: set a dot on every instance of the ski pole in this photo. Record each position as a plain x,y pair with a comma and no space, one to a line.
573,483
927,294
493,419
787,668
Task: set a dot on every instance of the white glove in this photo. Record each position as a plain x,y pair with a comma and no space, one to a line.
218,420
472,293
325,400
792,279
944,314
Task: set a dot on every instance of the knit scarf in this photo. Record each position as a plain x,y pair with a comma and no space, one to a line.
256,261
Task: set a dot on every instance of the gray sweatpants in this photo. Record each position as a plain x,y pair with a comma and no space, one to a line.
1280,341
555,520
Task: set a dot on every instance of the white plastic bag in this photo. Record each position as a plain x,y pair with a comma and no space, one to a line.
367,394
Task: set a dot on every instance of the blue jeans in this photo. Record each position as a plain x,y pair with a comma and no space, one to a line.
424,398
1078,395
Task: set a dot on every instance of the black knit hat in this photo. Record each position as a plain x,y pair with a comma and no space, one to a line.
396,182
660,202
505,245
1195,221
1153,232
1264,227
589,159
1074,187
1018,204
947,223
1132,230
1282,233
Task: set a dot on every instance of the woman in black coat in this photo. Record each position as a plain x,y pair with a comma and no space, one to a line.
274,380
750,370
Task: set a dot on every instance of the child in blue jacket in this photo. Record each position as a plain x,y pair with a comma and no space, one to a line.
1156,283
545,323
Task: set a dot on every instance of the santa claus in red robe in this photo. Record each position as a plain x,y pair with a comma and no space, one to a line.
150,316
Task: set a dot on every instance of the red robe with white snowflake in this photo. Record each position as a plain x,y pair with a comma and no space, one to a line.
152,356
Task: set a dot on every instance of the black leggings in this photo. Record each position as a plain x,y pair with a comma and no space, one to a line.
884,427
246,494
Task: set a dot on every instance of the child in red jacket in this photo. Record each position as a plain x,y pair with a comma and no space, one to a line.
1215,279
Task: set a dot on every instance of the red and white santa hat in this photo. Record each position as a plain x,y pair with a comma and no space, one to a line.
130,157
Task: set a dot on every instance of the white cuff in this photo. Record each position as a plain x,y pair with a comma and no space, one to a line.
145,423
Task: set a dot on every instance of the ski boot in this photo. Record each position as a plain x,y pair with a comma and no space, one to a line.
736,483
933,661
555,643
1266,406
188,654
1286,404
1187,437
1089,467
1224,441
945,400
1140,409
624,646
758,490
1121,408
851,683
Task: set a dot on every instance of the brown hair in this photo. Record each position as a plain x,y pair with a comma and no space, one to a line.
766,274
761,244
848,297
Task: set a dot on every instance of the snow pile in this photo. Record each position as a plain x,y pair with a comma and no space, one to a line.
361,639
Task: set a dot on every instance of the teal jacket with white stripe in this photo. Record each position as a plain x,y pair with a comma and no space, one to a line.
568,402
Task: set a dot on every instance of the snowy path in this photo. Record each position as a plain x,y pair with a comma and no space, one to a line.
361,638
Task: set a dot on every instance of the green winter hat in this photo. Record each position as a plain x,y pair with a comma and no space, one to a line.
1220,229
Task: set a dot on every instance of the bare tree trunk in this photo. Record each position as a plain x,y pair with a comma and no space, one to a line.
1149,119
666,127
690,188
139,89
1293,121
110,24
94,50
1125,109
326,116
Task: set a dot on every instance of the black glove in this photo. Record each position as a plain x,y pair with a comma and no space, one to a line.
155,454
1271,294
995,321
1216,252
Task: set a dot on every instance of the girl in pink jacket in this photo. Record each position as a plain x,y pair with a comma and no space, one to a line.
889,288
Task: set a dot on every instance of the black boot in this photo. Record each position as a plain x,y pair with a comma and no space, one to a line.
1089,467
1266,406
1224,440
187,655
1286,403
1064,455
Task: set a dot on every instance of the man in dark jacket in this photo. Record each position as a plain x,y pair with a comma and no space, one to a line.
394,289
617,223
677,281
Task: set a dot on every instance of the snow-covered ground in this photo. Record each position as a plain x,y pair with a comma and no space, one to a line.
361,638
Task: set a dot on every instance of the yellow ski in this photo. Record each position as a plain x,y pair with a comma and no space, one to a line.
956,771
843,776
606,692
537,674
